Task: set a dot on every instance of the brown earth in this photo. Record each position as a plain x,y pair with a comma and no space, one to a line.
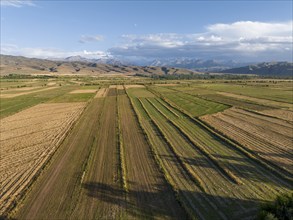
134,86
101,93
83,91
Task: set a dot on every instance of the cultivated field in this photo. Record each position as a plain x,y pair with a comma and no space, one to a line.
134,148
269,138
28,139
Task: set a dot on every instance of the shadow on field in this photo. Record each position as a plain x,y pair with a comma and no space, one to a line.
142,204
282,155
139,204
245,168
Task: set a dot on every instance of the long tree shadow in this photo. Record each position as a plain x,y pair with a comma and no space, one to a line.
245,170
138,204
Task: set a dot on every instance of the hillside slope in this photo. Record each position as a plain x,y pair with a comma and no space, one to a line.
265,69
23,65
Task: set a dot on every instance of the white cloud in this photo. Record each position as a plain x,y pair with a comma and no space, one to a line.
89,38
12,49
16,3
238,39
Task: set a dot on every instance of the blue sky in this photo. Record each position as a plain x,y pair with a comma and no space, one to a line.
241,30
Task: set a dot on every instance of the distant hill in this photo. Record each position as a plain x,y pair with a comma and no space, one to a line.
79,65
265,69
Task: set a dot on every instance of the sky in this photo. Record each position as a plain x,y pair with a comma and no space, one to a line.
138,30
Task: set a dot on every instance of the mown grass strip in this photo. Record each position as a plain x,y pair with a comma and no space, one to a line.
194,177
167,107
122,171
232,143
158,160
226,172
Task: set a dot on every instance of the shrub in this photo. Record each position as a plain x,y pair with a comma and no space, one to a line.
280,209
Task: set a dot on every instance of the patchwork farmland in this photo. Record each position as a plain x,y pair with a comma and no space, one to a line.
122,149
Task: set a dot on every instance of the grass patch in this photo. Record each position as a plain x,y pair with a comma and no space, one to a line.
78,97
194,105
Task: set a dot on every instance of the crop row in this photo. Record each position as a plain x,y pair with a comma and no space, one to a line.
178,177
121,151
159,160
191,174
24,161
233,143
245,134
199,147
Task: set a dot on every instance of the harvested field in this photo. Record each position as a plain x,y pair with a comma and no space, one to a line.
112,92
199,168
51,83
167,84
101,196
134,86
102,93
245,104
176,151
25,93
58,189
28,140
270,138
258,100
279,113
19,89
83,91
148,192
120,87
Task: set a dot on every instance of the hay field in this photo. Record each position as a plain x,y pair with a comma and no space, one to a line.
28,139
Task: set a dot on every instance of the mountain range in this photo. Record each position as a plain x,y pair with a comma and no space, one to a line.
183,62
81,65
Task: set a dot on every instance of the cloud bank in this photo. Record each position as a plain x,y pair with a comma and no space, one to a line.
243,39
44,53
